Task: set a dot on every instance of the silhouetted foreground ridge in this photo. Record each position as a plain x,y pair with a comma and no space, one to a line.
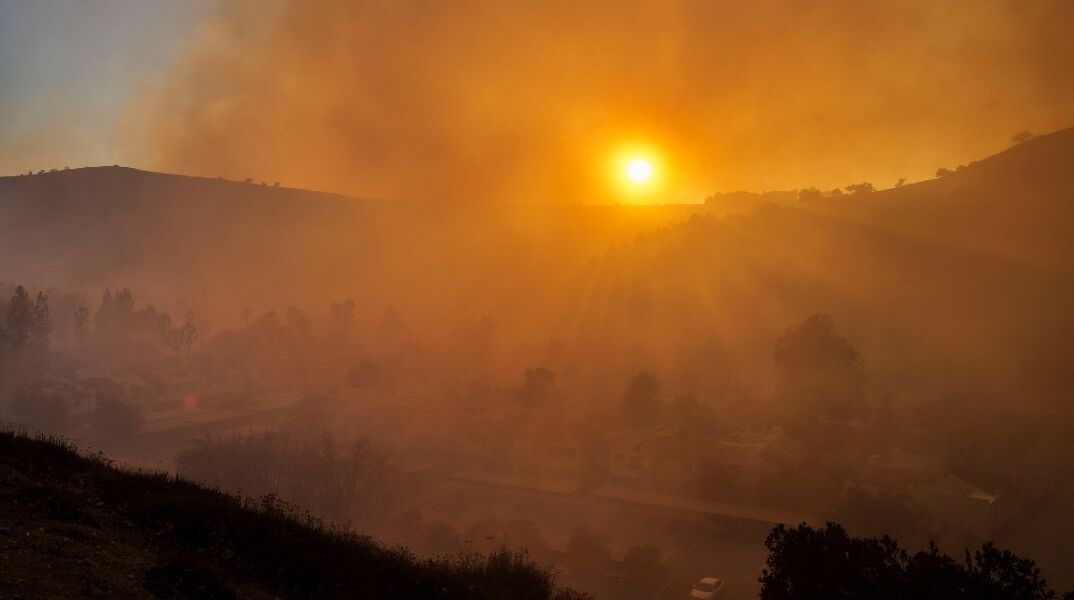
72,526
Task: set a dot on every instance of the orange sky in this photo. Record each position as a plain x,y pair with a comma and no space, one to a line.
529,100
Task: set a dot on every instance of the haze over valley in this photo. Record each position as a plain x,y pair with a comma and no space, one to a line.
480,304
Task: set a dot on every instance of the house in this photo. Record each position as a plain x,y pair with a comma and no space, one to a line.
747,461
636,456
950,501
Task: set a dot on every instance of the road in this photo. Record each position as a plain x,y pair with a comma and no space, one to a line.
694,546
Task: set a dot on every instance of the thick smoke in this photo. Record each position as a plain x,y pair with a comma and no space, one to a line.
527,100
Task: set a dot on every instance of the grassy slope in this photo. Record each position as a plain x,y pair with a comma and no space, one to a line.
72,526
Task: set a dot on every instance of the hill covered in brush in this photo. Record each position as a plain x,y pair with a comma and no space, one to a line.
954,289
73,526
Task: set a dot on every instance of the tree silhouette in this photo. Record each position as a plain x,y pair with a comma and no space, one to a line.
298,321
641,405
810,195
860,188
1022,136
20,320
82,324
814,564
40,324
818,371
367,375
343,313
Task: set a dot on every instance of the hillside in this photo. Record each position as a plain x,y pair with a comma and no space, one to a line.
955,287
72,526
222,245
1015,205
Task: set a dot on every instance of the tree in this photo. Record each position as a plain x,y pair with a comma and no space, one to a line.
860,188
810,195
162,328
82,324
343,312
943,172
367,375
20,320
539,385
641,404
188,334
298,321
1022,136
40,324
819,372
104,311
827,563
900,182
268,328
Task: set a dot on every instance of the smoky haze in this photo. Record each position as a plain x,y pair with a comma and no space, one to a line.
401,285
480,100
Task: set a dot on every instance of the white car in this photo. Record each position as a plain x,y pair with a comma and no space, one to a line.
709,588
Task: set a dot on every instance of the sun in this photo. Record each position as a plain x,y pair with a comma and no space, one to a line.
637,173
639,170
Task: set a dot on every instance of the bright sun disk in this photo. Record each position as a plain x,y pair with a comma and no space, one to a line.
639,170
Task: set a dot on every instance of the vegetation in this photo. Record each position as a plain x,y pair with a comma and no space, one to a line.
126,534
335,481
828,564
819,372
641,402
